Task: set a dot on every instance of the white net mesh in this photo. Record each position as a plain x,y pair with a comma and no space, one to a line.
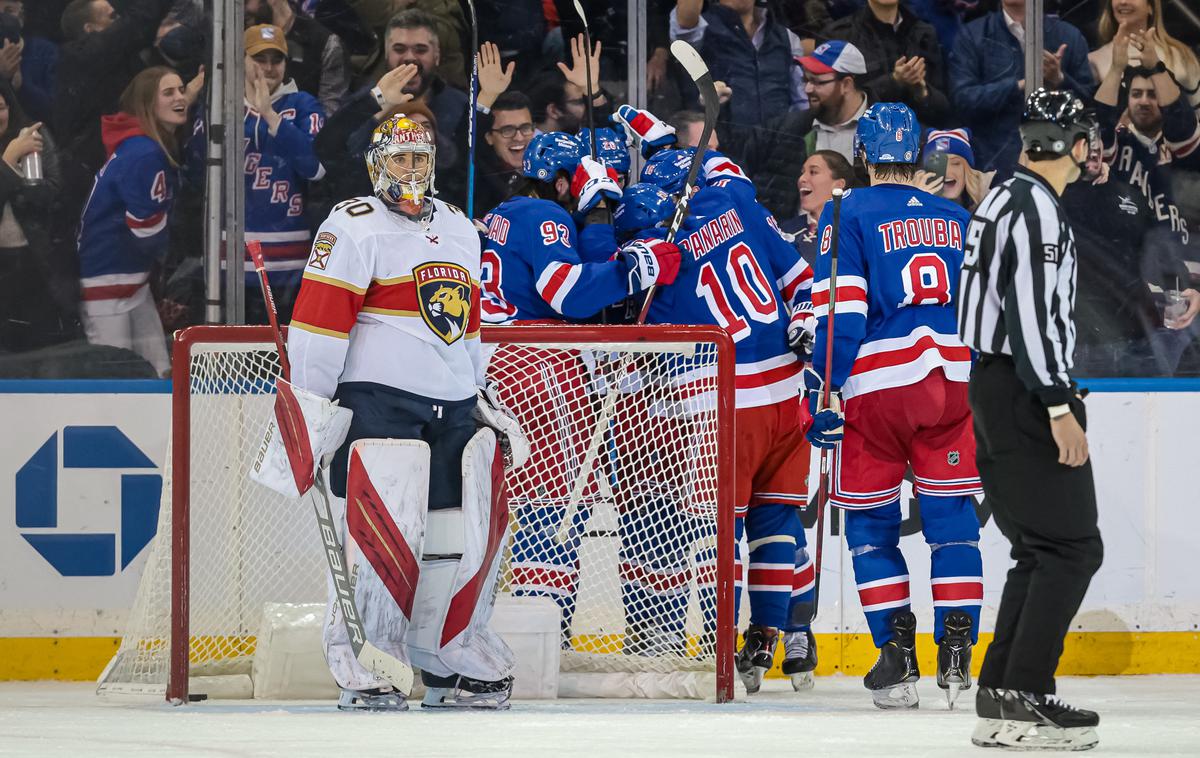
631,560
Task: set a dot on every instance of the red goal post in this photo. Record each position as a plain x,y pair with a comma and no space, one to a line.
654,567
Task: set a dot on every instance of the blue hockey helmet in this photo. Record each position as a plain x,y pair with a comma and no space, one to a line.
549,153
611,148
643,206
668,169
888,133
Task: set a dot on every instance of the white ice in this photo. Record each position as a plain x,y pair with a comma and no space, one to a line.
1140,716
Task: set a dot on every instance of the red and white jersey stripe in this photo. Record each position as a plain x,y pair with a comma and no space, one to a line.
955,591
900,361
884,594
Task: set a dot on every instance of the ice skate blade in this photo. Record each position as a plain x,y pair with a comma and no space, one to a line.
752,679
448,698
802,681
952,690
353,702
1029,735
899,697
986,731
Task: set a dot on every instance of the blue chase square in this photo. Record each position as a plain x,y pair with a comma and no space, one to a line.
87,553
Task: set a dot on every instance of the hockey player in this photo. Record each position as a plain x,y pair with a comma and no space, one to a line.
392,283
532,272
281,123
738,272
900,369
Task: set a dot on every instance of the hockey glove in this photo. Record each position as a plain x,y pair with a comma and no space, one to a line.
827,424
649,262
593,182
491,411
304,432
802,332
645,129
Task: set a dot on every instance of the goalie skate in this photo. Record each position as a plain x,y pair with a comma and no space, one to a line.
756,656
800,658
892,680
465,692
954,656
372,700
1043,722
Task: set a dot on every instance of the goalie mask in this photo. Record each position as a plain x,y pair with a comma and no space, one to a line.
400,162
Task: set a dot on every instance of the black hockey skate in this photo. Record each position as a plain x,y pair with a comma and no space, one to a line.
954,656
892,680
800,658
1035,721
378,700
464,692
756,656
987,708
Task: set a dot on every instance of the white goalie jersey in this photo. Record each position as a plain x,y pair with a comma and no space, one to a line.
392,301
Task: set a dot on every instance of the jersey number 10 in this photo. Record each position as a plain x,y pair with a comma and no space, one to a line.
750,286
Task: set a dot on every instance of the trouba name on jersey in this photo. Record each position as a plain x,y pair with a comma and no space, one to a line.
713,233
920,232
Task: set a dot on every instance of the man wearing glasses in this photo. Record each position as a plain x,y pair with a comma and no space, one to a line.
509,134
775,152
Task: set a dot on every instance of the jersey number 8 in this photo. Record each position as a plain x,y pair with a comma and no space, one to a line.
926,280
750,287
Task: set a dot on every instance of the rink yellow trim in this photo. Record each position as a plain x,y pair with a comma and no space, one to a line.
1085,654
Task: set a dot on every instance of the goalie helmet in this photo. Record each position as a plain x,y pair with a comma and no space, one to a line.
392,183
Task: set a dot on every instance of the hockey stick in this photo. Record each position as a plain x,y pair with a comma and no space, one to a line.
823,486
399,673
473,104
587,67
696,68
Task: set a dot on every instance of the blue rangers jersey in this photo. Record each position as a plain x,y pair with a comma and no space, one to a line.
531,270
900,251
738,272
278,168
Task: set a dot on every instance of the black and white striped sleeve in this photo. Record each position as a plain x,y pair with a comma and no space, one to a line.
1038,297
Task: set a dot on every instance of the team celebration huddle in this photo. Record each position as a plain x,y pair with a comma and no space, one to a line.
922,338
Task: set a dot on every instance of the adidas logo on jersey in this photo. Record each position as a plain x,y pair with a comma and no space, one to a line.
913,201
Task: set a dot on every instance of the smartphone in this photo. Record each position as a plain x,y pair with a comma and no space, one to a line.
935,163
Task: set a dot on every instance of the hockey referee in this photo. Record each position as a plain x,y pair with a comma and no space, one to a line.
1015,307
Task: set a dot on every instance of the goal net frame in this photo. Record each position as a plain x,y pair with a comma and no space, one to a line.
600,338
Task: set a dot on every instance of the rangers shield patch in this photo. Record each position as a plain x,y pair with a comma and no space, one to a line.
444,296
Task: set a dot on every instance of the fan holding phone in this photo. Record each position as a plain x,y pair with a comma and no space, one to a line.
950,168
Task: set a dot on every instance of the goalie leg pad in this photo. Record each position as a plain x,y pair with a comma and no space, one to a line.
450,632
384,515
303,431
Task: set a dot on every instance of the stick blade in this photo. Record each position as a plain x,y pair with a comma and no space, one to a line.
582,15
688,58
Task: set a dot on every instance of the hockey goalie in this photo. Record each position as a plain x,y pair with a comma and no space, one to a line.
387,387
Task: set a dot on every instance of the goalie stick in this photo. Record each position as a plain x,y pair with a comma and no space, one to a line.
473,105
823,486
399,673
696,68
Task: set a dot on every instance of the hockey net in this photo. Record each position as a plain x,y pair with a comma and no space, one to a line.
636,550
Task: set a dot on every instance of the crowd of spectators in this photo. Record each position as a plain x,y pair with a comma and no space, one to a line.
101,252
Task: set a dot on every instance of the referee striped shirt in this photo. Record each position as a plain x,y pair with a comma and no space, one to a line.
1017,290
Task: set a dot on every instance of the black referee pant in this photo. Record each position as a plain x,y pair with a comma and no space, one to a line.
1047,511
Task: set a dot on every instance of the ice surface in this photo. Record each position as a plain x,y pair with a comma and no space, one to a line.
1140,716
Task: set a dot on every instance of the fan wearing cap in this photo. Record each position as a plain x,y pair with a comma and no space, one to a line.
281,124
903,57
774,154
961,181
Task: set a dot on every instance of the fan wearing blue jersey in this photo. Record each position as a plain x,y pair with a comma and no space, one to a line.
899,380
738,272
532,273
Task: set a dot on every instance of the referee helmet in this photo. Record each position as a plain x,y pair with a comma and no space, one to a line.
1054,121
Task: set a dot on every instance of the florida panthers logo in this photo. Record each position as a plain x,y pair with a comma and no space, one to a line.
444,294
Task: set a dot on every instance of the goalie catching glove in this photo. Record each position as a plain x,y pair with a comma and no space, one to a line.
829,423
304,433
645,129
491,411
650,262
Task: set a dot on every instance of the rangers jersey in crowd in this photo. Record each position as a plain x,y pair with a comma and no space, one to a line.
898,247
388,300
531,269
278,168
123,231
736,271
